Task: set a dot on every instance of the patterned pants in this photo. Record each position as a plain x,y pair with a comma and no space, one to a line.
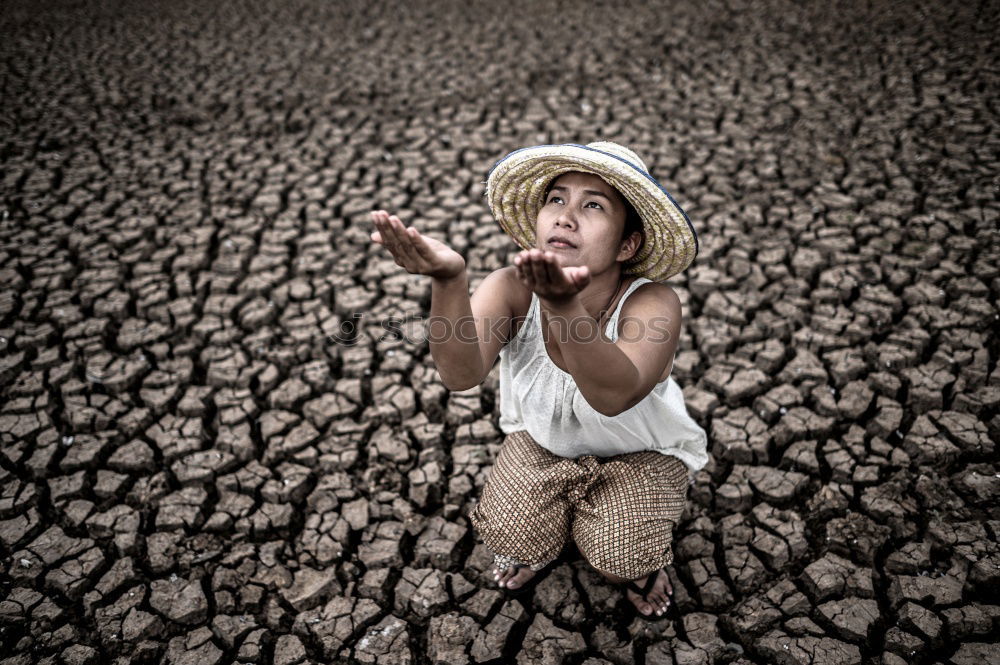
620,510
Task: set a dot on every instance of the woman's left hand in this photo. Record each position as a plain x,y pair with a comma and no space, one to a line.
543,273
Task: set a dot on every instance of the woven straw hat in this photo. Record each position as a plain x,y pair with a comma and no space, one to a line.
515,190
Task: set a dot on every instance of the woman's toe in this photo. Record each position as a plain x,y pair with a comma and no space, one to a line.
522,576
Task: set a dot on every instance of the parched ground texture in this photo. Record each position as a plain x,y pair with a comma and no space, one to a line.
215,451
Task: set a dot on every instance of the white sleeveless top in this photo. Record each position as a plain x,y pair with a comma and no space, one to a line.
537,396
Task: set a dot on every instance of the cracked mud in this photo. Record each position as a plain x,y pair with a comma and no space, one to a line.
212,449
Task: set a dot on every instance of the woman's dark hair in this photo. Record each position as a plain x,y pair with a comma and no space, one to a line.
633,222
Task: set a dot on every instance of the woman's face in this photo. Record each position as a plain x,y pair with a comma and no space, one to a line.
590,214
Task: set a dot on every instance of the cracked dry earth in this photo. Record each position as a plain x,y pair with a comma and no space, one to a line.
213,451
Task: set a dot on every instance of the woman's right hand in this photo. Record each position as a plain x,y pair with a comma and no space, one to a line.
417,253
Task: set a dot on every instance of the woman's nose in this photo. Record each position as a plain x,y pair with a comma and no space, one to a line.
566,218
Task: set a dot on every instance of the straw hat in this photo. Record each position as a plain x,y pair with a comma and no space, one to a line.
515,190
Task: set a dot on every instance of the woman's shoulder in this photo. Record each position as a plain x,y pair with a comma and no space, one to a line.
518,296
655,290
650,300
664,290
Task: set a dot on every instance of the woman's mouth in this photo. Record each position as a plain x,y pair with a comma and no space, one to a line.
560,245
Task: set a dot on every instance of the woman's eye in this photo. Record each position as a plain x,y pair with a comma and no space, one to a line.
559,198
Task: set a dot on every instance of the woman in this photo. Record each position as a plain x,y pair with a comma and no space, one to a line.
599,445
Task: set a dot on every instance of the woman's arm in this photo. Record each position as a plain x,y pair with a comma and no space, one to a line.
612,376
464,334
615,376
453,341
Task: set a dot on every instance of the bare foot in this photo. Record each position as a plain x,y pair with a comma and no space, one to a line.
508,578
659,597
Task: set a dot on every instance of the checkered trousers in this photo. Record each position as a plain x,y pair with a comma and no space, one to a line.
620,511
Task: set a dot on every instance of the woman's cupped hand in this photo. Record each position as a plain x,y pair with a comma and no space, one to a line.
543,273
415,252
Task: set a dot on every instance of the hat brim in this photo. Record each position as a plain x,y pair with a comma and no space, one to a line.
516,186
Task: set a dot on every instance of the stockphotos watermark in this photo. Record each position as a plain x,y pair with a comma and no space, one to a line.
439,329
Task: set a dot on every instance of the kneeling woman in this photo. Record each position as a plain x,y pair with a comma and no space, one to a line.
599,446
